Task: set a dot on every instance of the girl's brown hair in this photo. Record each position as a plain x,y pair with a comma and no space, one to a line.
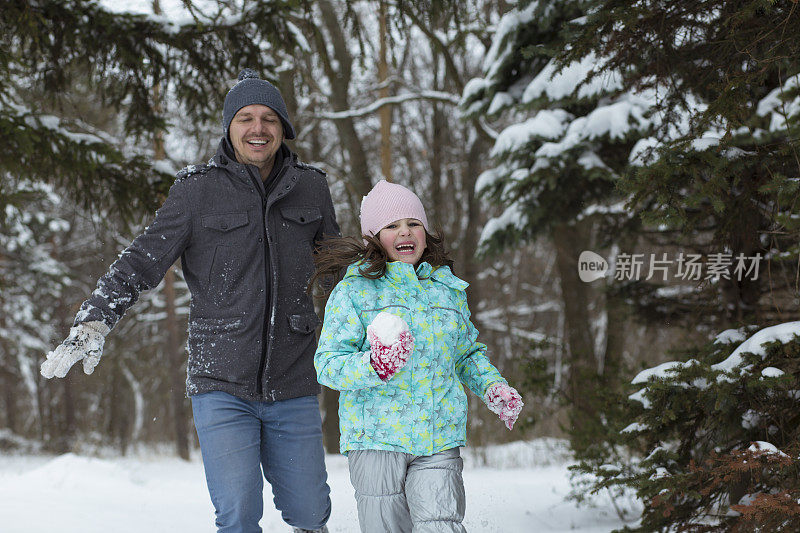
334,254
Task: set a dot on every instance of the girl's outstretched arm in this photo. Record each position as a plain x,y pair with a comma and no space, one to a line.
472,366
481,376
340,362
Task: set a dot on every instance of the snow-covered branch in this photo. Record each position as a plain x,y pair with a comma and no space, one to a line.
438,96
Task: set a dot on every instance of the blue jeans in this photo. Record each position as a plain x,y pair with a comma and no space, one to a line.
239,438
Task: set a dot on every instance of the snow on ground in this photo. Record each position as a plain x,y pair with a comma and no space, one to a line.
514,488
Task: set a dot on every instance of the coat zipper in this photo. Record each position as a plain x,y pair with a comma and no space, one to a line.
268,285
269,331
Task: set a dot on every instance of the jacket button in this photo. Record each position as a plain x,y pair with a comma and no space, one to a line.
260,239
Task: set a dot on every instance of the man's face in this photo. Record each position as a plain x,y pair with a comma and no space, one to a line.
256,134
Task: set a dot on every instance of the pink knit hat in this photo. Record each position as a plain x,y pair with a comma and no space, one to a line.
387,202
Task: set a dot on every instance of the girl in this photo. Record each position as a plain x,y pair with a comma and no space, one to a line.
398,342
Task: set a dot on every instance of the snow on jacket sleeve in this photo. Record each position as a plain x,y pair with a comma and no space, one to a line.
339,360
472,366
142,264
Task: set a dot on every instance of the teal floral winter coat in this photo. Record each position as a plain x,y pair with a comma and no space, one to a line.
422,409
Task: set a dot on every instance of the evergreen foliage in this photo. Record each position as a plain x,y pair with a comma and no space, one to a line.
719,177
719,174
567,142
718,434
50,47
556,164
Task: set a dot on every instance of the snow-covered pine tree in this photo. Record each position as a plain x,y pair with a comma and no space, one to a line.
567,140
720,434
31,272
50,48
721,173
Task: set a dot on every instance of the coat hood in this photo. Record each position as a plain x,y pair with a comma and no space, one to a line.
398,271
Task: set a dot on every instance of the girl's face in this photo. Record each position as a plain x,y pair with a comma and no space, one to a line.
403,240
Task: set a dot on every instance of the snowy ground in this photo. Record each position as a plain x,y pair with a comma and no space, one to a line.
520,489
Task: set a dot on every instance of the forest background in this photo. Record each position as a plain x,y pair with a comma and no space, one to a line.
661,136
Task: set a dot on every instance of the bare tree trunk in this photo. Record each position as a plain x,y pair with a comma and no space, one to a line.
569,241
286,79
173,351
45,416
68,430
330,420
119,418
177,380
359,181
471,234
385,111
617,316
7,377
69,412
9,400
743,295
437,143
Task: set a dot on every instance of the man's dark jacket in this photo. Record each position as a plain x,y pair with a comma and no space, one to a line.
246,255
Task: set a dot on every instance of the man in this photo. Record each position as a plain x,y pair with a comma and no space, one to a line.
244,226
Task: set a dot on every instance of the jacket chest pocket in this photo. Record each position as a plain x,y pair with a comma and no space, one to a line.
224,228
300,223
449,323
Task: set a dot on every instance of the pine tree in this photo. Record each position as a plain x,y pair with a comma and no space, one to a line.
720,170
556,170
32,272
718,178
719,433
53,48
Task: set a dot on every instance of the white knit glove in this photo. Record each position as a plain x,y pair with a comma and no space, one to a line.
504,401
85,342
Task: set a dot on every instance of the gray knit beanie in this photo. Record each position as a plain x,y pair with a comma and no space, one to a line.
252,90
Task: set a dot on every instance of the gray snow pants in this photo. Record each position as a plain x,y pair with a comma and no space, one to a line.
403,493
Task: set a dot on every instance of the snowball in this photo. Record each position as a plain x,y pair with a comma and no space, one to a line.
387,327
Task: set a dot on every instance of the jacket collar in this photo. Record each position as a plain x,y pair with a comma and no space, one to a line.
397,271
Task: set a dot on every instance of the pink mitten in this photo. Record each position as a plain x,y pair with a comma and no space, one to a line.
391,344
505,402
